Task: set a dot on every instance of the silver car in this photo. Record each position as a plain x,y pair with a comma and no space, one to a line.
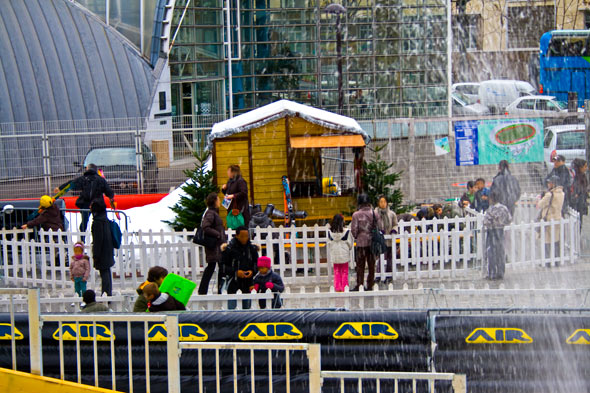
535,106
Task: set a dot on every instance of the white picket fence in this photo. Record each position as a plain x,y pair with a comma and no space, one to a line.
441,249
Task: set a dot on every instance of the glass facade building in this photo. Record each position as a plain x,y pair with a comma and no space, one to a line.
394,56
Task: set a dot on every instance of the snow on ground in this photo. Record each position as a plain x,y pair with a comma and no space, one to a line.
150,216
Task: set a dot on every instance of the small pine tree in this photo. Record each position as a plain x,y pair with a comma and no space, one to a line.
191,206
378,179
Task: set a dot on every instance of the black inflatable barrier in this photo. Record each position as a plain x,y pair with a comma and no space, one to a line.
375,340
515,353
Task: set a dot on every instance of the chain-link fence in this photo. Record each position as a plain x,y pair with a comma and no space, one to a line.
137,156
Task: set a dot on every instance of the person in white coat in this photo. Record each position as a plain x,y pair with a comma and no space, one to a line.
339,251
551,205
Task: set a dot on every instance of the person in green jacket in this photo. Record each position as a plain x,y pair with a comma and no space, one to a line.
156,274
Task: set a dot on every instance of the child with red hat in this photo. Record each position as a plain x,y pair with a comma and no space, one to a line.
267,279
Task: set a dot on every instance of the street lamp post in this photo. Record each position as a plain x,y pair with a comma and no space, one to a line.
338,10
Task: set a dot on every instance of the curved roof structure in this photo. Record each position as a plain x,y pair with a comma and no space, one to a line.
60,62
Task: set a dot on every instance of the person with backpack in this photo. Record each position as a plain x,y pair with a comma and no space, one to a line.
564,177
339,247
364,222
507,187
102,245
212,225
91,186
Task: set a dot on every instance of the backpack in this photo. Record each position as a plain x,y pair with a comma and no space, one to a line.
116,234
378,245
87,191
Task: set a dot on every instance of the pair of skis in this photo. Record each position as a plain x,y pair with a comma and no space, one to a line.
289,212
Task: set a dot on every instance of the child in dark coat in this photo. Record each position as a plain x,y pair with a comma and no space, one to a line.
267,279
160,301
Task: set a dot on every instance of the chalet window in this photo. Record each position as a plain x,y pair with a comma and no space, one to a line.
318,167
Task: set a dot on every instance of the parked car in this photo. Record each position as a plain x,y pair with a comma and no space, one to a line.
462,107
566,140
468,89
119,167
535,106
498,94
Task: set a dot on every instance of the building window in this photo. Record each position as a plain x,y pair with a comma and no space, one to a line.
466,29
586,20
527,24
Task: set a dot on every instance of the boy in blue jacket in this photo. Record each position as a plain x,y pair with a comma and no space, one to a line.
267,279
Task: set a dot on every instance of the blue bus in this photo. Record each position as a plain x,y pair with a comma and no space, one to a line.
565,64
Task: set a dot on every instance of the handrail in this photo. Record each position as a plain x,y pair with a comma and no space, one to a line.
388,375
104,317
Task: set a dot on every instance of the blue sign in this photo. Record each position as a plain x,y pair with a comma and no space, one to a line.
466,150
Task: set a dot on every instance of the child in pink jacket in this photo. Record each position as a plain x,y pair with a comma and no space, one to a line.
79,268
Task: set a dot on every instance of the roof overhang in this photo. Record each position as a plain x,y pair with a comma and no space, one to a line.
283,108
318,142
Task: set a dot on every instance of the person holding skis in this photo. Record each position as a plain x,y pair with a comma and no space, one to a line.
91,186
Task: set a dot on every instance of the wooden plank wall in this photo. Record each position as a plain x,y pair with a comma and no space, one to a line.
265,149
269,163
231,151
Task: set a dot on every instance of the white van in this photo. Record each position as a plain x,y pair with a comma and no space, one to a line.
566,140
498,94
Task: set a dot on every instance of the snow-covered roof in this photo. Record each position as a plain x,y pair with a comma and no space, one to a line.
279,109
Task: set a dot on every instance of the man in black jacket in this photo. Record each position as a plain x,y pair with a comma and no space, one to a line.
238,264
91,186
565,179
506,186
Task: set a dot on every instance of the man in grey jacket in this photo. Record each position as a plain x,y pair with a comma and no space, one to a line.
364,221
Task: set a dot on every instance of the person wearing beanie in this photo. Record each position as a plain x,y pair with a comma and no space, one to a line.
156,274
267,279
79,268
89,298
49,216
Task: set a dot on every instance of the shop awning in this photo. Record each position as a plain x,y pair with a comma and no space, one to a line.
313,142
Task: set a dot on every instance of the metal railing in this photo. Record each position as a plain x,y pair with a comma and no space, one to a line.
312,352
528,296
33,308
89,321
172,345
72,218
458,382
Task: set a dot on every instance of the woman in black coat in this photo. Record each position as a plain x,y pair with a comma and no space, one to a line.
579,198
236,189
102,245
212,226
